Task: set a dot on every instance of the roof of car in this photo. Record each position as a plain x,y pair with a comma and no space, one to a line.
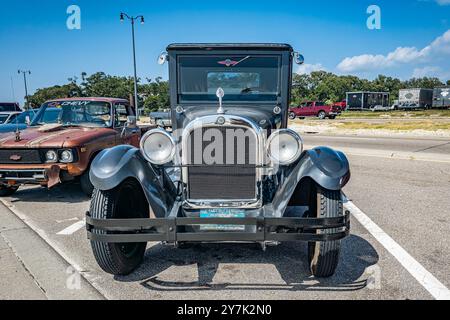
230,46
102,99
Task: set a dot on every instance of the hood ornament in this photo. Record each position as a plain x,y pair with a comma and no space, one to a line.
220,94
18,138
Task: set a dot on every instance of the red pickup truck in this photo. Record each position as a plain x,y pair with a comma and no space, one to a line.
314,109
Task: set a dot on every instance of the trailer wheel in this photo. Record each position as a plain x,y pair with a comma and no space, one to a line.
324,256
322,115
125,201
292,115
6,191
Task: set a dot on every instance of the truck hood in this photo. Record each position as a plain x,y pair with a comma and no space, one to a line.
264,117
67,137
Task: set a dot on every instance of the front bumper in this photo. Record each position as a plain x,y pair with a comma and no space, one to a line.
47,174
171,229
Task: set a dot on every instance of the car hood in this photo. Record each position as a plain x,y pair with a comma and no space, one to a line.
67,137
264,117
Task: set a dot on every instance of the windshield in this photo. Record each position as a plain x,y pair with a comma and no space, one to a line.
75,113
243,78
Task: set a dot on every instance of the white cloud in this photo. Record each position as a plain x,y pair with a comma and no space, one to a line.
401,55
308,68
431,71
443,2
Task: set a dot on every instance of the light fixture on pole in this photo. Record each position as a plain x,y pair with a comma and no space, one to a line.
25,72
132,19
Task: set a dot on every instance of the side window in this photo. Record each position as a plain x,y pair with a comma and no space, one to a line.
309,104
121,114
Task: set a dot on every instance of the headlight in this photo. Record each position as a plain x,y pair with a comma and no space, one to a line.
157,146
66,156
51,156
284,146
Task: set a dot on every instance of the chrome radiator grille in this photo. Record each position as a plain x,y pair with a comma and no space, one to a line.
232,174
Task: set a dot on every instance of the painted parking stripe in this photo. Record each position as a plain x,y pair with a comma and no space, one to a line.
72,228
425,278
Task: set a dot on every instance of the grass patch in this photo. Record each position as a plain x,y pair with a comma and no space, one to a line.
396,114
426,125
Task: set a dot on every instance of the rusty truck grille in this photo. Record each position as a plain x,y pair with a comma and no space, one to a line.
22,156
231,177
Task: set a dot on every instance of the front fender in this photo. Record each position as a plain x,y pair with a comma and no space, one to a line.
330,169
112,166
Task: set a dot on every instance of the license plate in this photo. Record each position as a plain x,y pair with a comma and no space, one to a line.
222,213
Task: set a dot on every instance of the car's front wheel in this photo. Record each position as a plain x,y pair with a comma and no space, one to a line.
125,201
86,185
324,256
6,191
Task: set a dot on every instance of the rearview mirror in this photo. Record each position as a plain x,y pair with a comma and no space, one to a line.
131,121
298,58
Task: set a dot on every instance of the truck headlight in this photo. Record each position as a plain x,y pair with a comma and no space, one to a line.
51,156
66,156
284,146
158,147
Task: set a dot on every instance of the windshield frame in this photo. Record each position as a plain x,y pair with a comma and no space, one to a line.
46,105
224,55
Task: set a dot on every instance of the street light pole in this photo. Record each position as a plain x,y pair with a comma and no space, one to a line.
24,72
132,19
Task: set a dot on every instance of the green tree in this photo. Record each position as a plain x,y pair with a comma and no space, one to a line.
55,92
424,82
155,95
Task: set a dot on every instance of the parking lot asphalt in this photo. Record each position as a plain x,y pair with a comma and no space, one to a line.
407,199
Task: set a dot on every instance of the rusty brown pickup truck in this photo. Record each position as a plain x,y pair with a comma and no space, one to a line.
63,139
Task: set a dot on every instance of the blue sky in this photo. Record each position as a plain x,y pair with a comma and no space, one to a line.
332,35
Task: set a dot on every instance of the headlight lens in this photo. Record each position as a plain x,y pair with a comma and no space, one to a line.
51,156
158,147
284,146
66,156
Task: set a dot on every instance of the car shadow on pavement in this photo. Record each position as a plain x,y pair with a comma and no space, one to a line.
69,192
217,264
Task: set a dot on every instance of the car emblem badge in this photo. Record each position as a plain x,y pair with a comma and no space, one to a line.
228,62
15,157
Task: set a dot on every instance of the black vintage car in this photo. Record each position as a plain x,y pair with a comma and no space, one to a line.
237,173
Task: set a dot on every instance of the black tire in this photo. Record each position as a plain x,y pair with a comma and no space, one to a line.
6,191
332,117
125,201
321,115
323,257
292,115
86,185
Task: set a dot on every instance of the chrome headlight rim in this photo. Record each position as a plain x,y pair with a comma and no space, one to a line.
297,138
144,139
71,158
48,159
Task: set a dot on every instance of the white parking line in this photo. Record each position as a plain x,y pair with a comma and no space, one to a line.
73,228
425,278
